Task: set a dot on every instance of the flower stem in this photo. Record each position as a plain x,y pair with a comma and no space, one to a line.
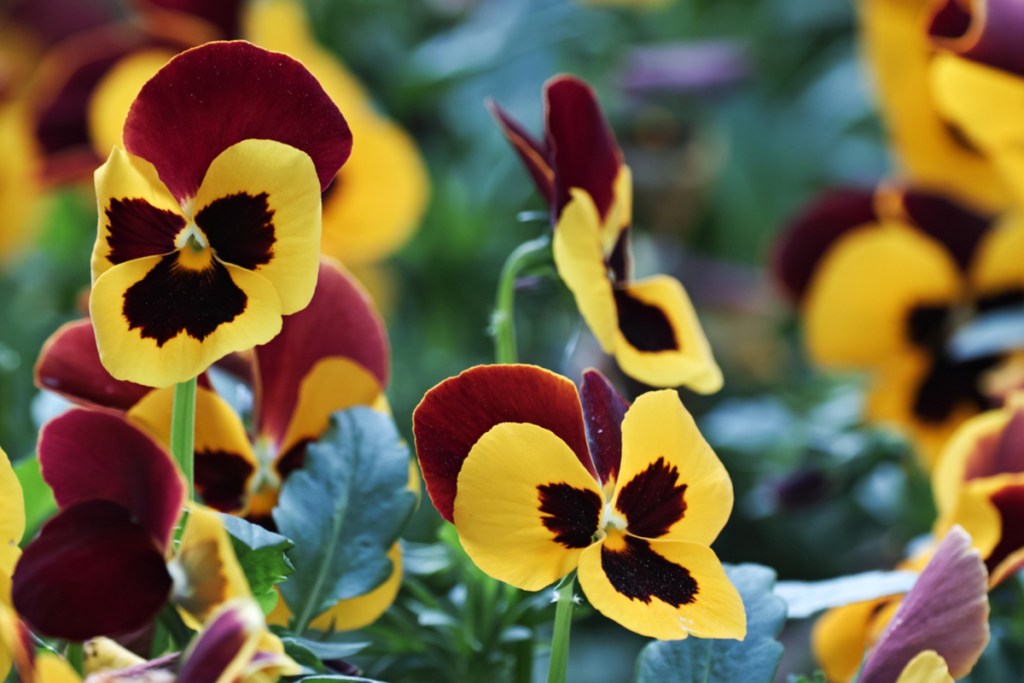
183,431
503,323
560,637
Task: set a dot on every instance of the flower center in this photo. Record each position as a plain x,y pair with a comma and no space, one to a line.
194,250
611,519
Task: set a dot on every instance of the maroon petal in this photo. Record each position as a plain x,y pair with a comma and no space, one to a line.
457,412
989,35
603,410
69,364
213,96
93,571
530,150
228,636
957,227
583,149
224,14
999,452
804,243
55,20
946,611
340,321
87,455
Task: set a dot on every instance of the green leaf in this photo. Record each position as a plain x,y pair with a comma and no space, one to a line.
344,509
331,678
804,598
752,660
312,653
39,502
262,556
816,677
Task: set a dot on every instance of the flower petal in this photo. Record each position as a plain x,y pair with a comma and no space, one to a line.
525,507
150,331
803,245
583,150
92,571
857,311
206,570
226,645
259,206
86,455
213,96
842,634
456,413
138,217
927,667
671,484
946,611
224,460
960,229
662,589
659,340
987,35
340,322
995,271
531,151
69,364
12,517
603,410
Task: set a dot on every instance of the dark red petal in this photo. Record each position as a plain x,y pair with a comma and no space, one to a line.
603,410
55,20
1009,501
946,611
221,478
581,146
957,227
809,236
69,364
989,35
86,455
530,150
458,411
93,571
218,94
219,644
340,321
998,453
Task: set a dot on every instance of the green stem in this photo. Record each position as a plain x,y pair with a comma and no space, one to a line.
503,323
560,637
524,660
183,431
76,657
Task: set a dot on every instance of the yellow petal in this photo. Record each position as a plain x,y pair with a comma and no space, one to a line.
288,178
104,654
114,94
12,516
614,578
49,668
511,473
950,473
690,363
857,307
663,451
842,634
996,267
128,355
927,667
19,187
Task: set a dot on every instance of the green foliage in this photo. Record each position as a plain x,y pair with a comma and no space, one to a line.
751,660
313,653
816,677
343,510
39,502
262,556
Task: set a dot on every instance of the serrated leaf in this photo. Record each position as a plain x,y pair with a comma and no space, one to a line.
262,554
805,598
752,660
343,510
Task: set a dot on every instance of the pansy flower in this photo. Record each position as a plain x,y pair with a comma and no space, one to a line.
104,564
931,147
979,483
12,527
977,76
883,279
649,325
539,484
330,356
210,221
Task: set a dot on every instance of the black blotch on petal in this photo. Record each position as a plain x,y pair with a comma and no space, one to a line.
240,228
639,573
949,384
653,500
1009,501
137,229
294,458
644,326
570,513
171,299
221,477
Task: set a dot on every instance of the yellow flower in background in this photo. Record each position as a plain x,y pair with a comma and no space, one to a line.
12,528
19,188
931,150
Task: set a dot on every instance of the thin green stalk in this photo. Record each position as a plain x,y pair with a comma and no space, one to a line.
183,431
524,660
560,637
503,321
76,657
